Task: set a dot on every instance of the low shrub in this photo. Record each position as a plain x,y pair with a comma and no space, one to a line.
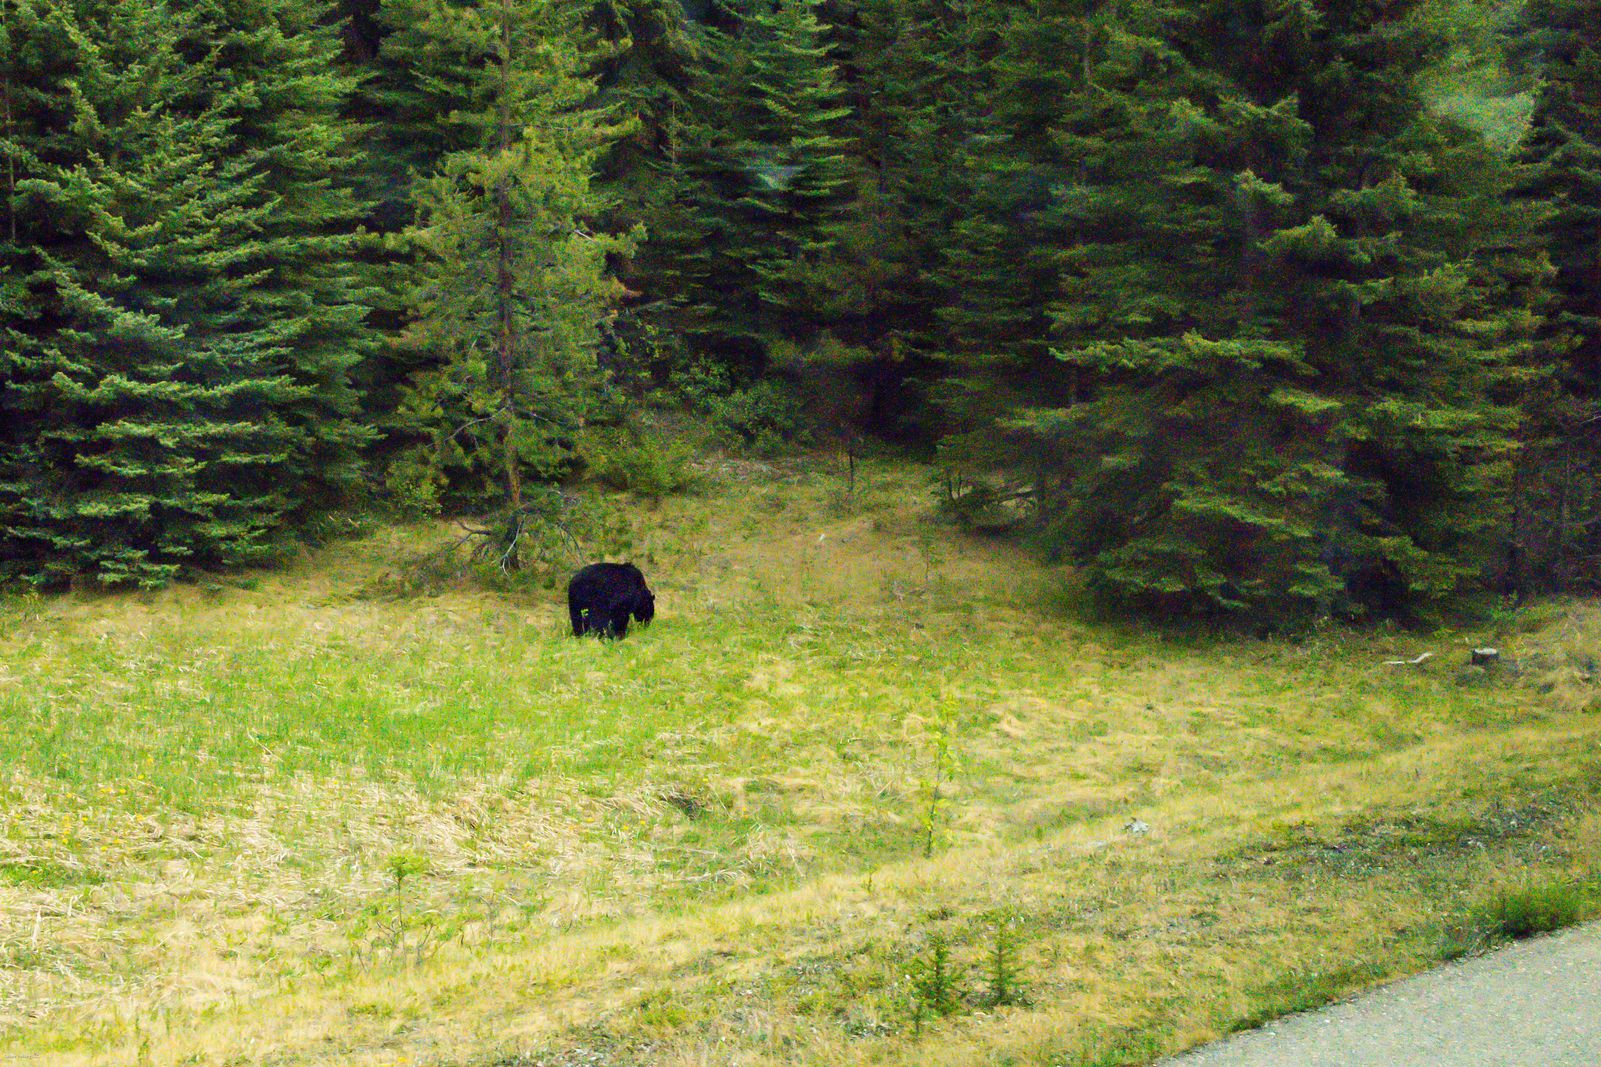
767,418
1522,910
1533,908
647,464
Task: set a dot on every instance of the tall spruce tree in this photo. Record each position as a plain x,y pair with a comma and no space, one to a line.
511,282
761,164
910,94
152,417
1057,143
422,93
1299,419
279,77
649,65
1557,543
793,153
648,61
178,361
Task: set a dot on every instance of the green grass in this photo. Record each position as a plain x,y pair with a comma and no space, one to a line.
43,874
1524,911
330,814
1525,908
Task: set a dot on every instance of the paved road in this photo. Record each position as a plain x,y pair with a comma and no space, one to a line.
1533,1004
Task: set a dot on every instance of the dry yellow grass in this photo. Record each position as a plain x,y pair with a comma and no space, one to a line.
703,844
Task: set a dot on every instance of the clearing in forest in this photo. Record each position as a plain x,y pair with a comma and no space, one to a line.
866,792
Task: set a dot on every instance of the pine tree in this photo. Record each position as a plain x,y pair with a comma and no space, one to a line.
1558,540
760,162
511,284
649,64
910,96
1064,77
147,411
285,91
1291,413
176,388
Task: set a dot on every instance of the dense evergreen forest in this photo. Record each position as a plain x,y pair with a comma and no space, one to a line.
1271,309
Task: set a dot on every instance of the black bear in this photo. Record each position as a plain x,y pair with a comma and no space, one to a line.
602,596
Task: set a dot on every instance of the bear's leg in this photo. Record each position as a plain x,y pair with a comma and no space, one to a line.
619,622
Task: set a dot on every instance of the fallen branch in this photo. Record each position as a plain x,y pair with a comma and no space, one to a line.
1408,662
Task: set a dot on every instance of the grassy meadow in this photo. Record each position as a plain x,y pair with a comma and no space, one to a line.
868,791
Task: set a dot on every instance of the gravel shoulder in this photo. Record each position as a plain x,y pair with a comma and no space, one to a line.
1536,1003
